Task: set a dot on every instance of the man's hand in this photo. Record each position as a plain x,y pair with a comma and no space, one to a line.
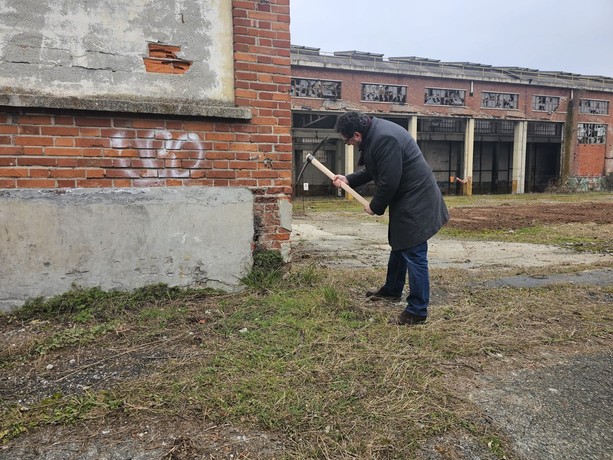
338,180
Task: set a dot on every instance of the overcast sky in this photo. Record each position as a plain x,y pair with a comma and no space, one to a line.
562,35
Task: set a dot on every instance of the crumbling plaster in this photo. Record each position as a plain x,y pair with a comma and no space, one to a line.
90,50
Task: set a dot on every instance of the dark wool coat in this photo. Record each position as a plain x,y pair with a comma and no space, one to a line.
404,183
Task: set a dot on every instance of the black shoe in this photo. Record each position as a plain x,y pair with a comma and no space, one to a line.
382,294
408,319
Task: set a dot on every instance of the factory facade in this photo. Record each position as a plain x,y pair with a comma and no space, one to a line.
483,129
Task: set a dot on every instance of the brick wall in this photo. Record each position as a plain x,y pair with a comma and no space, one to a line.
44,148
352,85
586,160
589,160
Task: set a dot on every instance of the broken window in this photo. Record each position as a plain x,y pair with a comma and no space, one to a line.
545,103
590,133
384,93
494,127
436,96
304,87
499,100
545,129
594,107
440,125
313,120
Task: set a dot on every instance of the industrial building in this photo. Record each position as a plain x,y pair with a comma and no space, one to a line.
482,129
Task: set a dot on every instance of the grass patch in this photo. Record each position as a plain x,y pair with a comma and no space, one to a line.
313,364
299,354
85,304
266,271
76,336
592,238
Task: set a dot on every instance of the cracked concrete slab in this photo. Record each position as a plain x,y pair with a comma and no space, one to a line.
556,412
599,277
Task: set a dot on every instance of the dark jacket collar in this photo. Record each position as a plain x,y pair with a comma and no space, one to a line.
363,143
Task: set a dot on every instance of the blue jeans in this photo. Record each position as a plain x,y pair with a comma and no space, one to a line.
414,261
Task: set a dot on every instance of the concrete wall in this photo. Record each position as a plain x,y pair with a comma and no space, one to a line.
122,239
68,48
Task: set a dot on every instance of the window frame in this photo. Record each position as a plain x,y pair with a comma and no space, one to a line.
385,87
591,133
448,96
547,107
498,93
590,112
338,83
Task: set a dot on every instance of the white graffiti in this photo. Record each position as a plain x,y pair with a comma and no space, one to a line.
158,144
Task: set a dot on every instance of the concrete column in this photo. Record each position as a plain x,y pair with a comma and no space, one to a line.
469,148
348,165
413,126
520,141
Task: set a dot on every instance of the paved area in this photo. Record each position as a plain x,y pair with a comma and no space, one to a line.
564,411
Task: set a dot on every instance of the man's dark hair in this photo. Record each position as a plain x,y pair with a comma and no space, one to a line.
352,122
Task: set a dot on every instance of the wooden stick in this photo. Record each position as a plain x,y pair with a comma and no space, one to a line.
330,174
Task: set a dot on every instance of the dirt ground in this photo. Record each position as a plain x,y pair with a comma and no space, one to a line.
512,217
157,438
353,240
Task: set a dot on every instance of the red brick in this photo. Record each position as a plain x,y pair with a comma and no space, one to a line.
36,161
59,131
63,142
63,151
92,142
33,140
67,173
64,120
39,173
28,129
36,183
13,172
123,173
149,183
90,121
67,162
89,132
9,129
93,183
150,124
94,173
33,120
9,150
92,152
217,174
